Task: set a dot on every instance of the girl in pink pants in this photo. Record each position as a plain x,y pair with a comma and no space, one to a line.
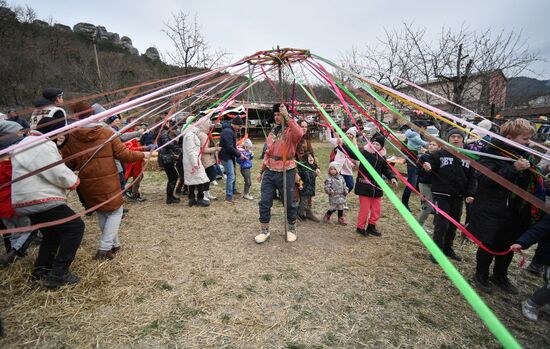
370,195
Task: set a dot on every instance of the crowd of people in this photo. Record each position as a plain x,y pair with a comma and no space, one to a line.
103,163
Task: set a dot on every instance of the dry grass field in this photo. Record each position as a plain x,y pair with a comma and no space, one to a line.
193,277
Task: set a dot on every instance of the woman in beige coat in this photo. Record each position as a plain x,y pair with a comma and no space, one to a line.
209,156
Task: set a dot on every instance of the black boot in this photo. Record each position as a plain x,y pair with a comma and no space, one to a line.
170,198
371,229
8,258
60,277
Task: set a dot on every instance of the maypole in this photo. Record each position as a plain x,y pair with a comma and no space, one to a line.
285,196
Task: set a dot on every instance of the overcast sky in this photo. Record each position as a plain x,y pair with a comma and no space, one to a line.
327,28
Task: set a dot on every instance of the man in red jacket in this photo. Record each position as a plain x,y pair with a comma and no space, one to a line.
274,165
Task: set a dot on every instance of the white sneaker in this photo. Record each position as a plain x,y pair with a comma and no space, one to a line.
262,237
214,182
205,198
291,236
529,310
248,197
346,207
211,197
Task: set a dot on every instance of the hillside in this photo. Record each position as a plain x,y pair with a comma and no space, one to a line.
38,54
522,89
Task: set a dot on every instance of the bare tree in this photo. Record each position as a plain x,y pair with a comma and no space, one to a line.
465,66
25,14
191,50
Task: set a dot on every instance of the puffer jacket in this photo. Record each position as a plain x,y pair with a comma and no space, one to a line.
193,171
99,180
365,184
497,214
208,156
308,179
335,187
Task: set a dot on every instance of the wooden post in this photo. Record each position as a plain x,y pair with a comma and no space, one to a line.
285,184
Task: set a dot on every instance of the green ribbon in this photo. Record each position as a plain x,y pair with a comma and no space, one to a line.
484,312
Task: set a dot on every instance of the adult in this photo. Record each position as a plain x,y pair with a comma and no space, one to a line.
13,116
208,156
42,197
48,106
194,174
341,158
498,217
272,169
167,158
414,144
228,153
99,178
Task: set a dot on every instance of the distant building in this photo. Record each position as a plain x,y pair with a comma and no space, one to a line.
484,94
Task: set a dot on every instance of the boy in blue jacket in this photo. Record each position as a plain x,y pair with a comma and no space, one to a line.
245,161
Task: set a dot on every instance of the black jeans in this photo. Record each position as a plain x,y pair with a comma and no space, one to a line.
60,242
172,175
444,231
484,260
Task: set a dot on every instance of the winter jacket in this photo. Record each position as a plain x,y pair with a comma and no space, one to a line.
6,210
193,170
46,186
423,176
24,123
538,233
335,187
170,148
346,165
273,158
496,212
99,180
245,163
414,141
308,178
228,143
208,156
451,176
367,186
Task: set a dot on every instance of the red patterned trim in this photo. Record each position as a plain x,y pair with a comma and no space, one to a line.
36,202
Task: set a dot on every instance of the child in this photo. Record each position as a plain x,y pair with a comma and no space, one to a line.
370,195
540,300
335,187
307,187
453,181
246,165
498,217
425,183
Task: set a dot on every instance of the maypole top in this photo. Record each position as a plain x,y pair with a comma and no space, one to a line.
278,56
